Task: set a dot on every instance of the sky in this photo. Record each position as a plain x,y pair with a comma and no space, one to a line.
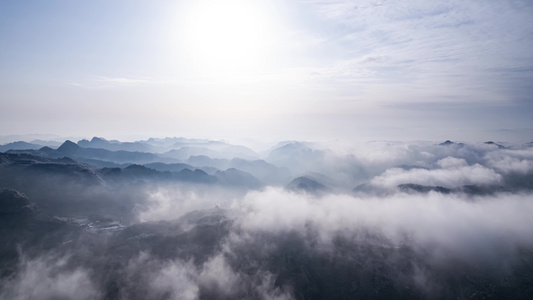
279,69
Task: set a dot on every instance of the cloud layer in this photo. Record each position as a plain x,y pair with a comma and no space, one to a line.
400,220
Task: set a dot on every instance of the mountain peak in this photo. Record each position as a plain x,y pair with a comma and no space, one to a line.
446,143
97,139
69,147
495,144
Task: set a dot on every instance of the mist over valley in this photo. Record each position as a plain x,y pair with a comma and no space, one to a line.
180,218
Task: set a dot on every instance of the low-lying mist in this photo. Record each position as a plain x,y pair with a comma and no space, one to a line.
375,221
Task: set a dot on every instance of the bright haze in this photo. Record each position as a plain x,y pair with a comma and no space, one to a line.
266,149
313,70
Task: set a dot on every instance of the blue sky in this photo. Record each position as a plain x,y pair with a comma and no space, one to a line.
402,70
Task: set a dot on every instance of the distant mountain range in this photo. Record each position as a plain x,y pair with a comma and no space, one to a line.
184,218
294,165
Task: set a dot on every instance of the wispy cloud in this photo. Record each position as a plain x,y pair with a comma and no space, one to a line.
447,46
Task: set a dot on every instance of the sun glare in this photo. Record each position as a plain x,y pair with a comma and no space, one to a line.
228,37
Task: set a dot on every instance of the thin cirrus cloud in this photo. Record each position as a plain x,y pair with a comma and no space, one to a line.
432,47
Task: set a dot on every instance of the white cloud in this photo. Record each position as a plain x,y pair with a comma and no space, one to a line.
509,161
440,50
452,177
452,162
449,221
49,278
177,280
169,202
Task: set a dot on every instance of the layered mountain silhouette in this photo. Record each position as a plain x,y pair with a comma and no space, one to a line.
19,146
176,218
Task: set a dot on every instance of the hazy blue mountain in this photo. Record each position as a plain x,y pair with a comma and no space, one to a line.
206,161
27,167
97,142
19,146
139,172
171,142
495,144
366,189
197,175
267,173
307,185
176,167
215,149
69,148
296,156
450,143
237,178
32,138
73,150
97,163
185,153
212,150
52,144
290,151
223,149
79,154
114,145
